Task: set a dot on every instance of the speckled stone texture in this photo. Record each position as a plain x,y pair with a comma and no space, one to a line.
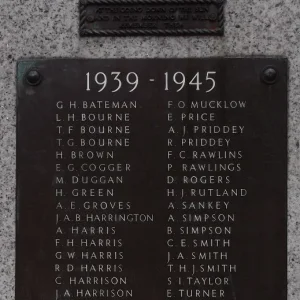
40,28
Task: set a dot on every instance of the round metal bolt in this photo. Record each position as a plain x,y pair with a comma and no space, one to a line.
33,77
212,17
90,18
269,75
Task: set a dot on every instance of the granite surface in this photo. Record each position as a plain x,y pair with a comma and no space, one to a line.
40,28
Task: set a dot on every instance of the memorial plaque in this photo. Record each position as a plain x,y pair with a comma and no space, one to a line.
152,179
151,17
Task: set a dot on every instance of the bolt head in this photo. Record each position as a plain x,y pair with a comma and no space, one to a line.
90,18
33,77
213,17
269,75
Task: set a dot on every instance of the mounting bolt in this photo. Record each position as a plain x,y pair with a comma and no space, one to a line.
33,77
90,18
212,16
269,75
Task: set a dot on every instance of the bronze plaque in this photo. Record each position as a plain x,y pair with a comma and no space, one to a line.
152,179
151,17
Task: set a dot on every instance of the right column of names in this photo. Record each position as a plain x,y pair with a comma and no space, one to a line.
203,165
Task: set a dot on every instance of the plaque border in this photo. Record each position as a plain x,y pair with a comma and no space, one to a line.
154,32
24,65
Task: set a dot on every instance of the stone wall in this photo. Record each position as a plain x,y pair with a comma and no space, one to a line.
40,28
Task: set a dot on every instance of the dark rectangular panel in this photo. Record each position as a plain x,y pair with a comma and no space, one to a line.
152,179
151,17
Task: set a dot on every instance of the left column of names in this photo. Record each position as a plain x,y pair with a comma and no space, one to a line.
89,174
